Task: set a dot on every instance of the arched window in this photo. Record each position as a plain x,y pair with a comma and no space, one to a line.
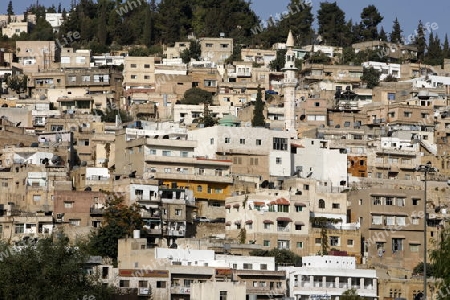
199,188
321,203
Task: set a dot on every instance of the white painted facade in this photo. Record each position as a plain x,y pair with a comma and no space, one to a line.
327,277
186,114
385,68
314,159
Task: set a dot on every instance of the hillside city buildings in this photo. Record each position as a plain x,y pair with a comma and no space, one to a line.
332,176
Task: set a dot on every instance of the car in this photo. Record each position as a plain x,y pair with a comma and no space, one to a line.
202,219
271,92
218,220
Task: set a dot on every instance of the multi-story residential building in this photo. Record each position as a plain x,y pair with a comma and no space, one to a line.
79,211
55,20
206,78
189,114
392,51
176,50
272,219
391,217
216,50
139,72
34,56
238,94
15,28
328,277
258,56
172,157
259,153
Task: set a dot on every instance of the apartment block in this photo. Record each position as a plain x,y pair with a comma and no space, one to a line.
139,72
216,50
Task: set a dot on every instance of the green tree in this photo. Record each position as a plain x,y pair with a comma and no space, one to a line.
371,77
193,52
390,78
195,96
446,48
282,256
396,34
258,119
382,36
350,294
119,221
439,267
418,269
332,25
49,269
10,11
434,55
420,42
370,19
280,60
110,115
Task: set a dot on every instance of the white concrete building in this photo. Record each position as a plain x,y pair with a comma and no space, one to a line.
314,159
218,290
55,19
186,114
327,277
385,68
246,140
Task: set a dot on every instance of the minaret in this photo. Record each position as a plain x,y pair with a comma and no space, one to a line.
289,84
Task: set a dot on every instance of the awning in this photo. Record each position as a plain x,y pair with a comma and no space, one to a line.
388,195
300,204
415,242
228,223
228,206
268,222
236,205
258,203
284,219
299,223
249,222
281,201
399,214
237,222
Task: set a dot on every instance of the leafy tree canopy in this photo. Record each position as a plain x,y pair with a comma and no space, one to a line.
195,96
371,77
282,256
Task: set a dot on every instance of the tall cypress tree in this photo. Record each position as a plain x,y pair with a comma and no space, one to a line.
446,48
10,11
258,113
382,35
420,41
396,33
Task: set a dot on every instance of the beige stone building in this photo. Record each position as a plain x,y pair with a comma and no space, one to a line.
139,72
71,58
216,50
34,56
15,28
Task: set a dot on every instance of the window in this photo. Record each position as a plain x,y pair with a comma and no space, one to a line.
377,200
72,78
199,188
242,141
223,295
227,140
248,266
85,78
401,221
361,162
400,201
335,205
280,144
224,45
350,243
316,104
266,225
298,227
211,141
389,201
258,142
143,283
414,247
299,245
415,220
133,66
36,198
68,204
146,66
124,283
210,83
19,228
390,221
377,220
415,201
360,202
318,241
254,161
321,203
283,208
391,96
263,266
178,212
133,76
74,222
298,208
152,152
208,45
266,243
166,153
147,77
397,244
407,114
183,154
278,160
334,241
306,187
283,244
347,124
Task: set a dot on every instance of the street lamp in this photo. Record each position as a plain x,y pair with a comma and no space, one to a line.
427,168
